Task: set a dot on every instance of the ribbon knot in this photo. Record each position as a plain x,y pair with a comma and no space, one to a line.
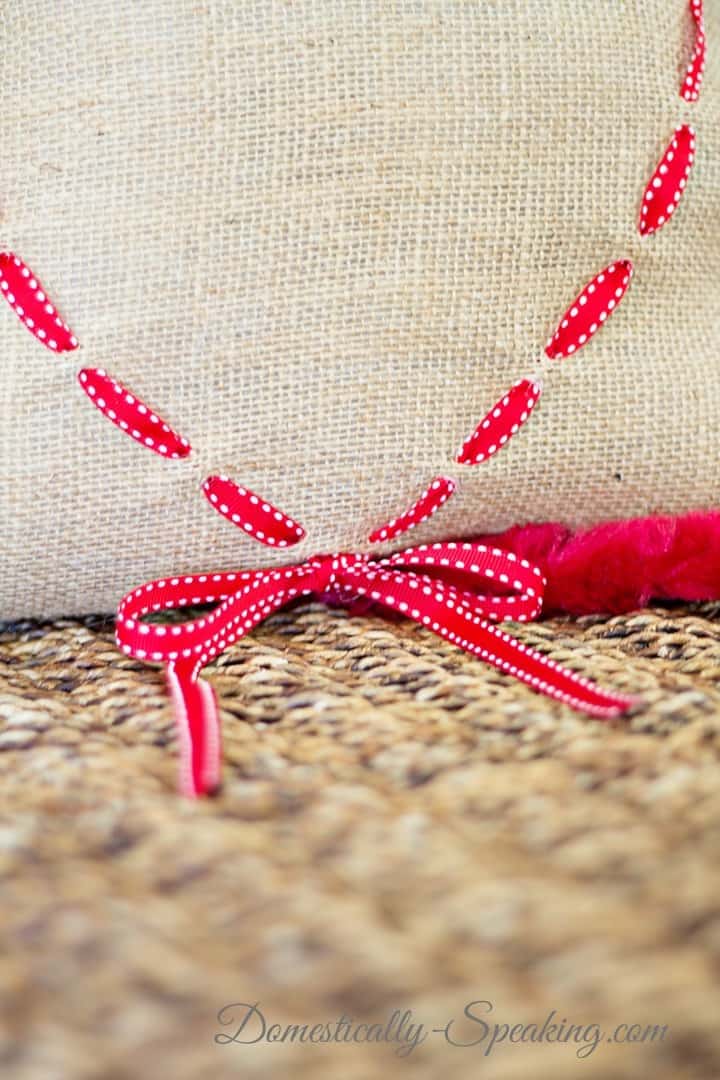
331,569
457,590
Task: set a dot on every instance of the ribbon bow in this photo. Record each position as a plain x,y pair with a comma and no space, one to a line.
434,584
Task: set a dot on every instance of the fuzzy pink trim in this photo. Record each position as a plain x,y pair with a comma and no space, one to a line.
622,565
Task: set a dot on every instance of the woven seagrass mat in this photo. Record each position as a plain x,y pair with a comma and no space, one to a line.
400,827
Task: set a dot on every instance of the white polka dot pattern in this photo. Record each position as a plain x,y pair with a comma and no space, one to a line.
254,515
667,184
442,599
503,421
690,88
590,309
28,299
131,415
449,599
435,496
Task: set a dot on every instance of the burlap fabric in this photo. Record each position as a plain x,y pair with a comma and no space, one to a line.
400,827
321,239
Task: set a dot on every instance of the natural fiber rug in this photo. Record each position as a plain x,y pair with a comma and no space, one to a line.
400,828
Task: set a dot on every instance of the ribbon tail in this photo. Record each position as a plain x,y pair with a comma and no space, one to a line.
196,719
460,618
508,654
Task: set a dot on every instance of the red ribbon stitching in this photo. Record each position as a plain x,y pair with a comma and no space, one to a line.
437,585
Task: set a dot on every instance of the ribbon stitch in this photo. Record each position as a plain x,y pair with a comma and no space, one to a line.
432,584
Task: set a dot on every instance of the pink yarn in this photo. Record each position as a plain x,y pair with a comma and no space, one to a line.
622,565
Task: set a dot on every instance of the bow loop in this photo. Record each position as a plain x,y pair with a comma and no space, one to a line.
440,586
517,586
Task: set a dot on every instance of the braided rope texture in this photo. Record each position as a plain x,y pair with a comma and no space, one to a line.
399,826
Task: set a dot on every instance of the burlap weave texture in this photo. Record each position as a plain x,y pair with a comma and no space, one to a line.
321,238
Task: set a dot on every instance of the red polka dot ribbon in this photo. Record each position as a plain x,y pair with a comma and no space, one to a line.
25,294
434,496
440,586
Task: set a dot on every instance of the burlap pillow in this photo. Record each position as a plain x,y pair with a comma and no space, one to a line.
321,239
